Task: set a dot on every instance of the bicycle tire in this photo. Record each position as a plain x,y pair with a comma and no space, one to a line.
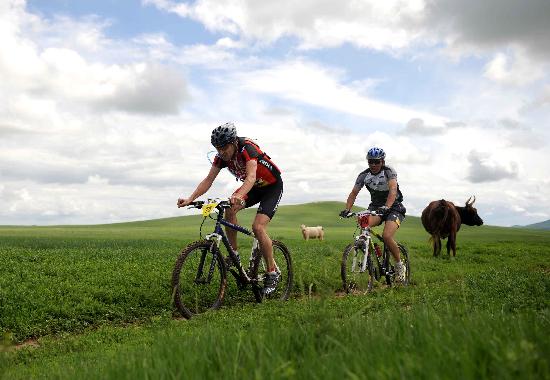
352,278
404,255
372,273
193,295
406,261
257,273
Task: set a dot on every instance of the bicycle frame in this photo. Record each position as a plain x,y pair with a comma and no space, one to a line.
219,235
199,278
364,255
365,244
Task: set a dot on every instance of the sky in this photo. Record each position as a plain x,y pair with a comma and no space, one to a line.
106,107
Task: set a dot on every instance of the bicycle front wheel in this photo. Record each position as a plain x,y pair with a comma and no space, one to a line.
198,279
281,255
353,278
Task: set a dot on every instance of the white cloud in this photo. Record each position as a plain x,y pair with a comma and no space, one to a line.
56,70
492,27
148,88
540,102
483,169
98,130
309,83
317,23
418,127
492,24
217,56
514,70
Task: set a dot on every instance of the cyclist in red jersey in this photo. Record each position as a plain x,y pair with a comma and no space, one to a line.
262,183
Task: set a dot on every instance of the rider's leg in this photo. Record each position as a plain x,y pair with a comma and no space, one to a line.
374,220
260,231
231,217
390,227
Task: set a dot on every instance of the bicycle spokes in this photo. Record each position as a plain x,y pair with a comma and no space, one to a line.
208,260
198,279
284,269
354,260
353,269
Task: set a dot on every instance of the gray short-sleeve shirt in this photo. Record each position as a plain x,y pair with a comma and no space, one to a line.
377,185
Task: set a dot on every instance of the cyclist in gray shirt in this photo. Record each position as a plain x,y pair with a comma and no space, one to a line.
381,182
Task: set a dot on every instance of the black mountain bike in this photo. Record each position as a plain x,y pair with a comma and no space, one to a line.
199,278
365,255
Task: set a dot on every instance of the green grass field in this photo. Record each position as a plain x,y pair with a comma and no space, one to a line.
95,302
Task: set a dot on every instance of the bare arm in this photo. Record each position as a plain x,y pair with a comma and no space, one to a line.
202,187
351,197
392,195
249,181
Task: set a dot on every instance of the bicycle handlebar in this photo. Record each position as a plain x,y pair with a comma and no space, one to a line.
364,212
199,204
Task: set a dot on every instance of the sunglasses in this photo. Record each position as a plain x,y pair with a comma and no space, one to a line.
375,162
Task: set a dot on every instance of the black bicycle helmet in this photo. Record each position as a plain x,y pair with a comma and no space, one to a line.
223,135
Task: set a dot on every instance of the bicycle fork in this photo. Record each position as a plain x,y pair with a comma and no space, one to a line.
362,244
199,279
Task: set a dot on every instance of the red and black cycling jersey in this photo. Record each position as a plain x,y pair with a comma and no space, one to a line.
267,172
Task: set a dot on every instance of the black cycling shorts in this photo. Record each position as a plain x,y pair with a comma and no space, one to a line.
395,214
268,196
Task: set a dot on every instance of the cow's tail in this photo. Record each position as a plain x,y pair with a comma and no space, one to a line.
440,215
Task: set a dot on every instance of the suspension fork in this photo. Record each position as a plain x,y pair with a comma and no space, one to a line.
362,244
367,249
215,241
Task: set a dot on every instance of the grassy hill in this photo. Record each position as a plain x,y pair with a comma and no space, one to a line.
540,226
95,301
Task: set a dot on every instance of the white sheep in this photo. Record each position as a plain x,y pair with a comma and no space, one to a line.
313,232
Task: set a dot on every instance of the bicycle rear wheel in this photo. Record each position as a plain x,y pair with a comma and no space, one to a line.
198,279
404,255
405,259
352,277
281,255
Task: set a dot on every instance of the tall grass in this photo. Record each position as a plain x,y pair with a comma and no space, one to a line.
317,338
96,299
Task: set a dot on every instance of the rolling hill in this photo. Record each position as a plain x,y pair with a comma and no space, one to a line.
540,226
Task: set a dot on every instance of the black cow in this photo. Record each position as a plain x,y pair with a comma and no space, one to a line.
442,219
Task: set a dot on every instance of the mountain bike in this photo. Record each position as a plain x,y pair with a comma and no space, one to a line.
199,278
365,255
